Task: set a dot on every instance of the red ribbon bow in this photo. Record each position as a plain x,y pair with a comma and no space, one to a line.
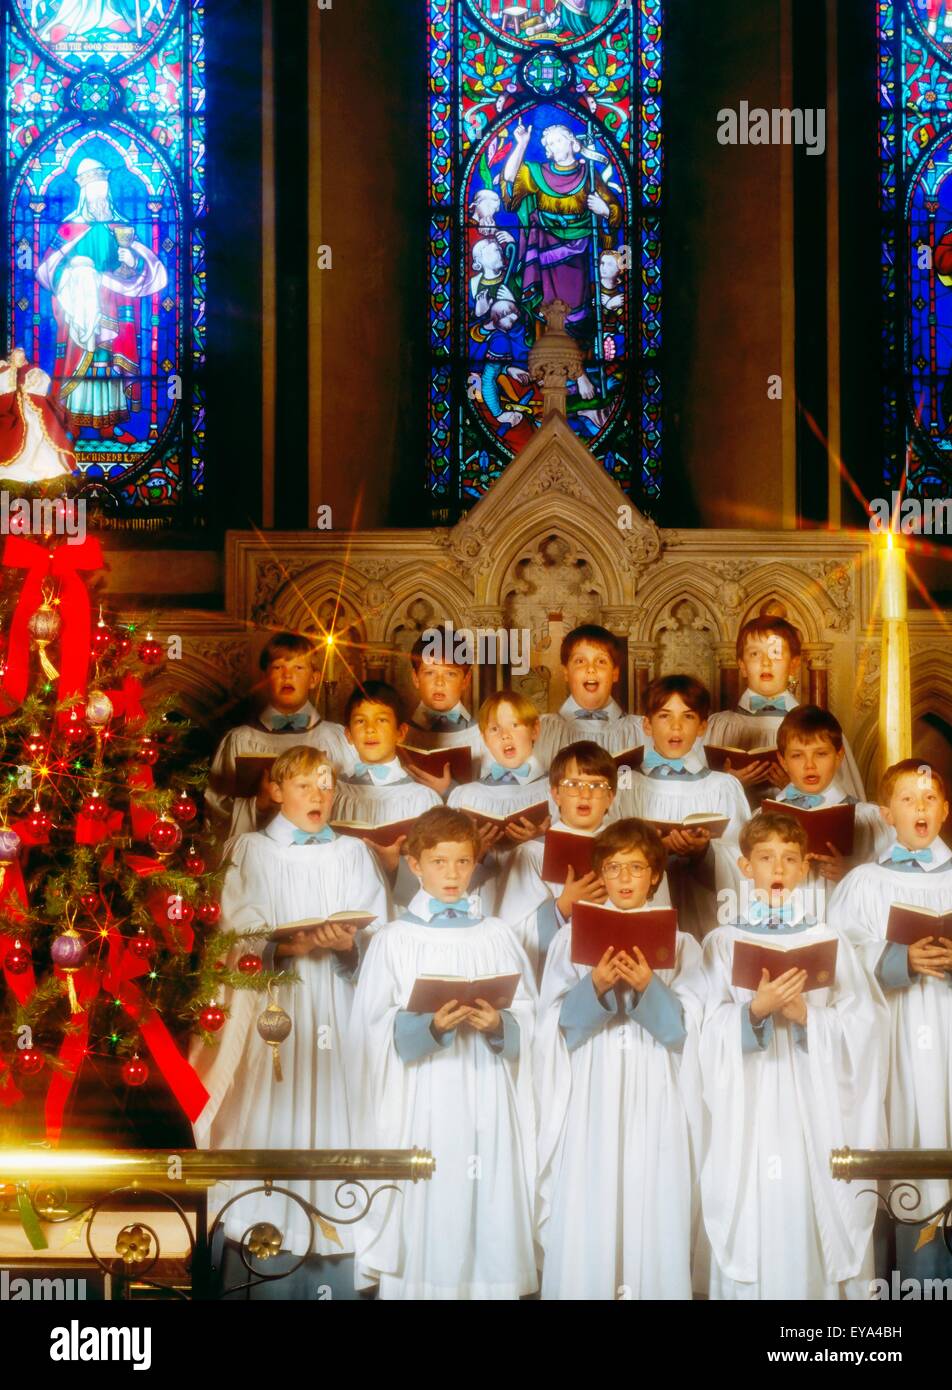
64,563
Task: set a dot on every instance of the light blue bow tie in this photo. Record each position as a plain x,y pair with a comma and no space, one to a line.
804,801
378,772
498,773
763,704
316,837
654,759
579,713
901,855
293,721
760,913
440,723
458,909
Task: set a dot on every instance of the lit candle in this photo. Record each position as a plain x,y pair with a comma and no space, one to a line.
892,568
895,696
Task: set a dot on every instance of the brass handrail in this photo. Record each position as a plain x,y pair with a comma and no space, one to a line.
850,1165
165,1170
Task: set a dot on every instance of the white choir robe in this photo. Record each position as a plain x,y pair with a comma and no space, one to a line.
619,1119
230,815
740,728
269,883
615,734
871,837
527,902
379,803
779,1225
919,1088
671,798
503,798
422,735
467,1233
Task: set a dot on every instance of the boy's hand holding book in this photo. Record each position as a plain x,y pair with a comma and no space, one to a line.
605,973
488,835
523,829
388,856
438,782
450,1016
776,996
589,886
692,843
931,956
484,1018
634,969
832,866
752,773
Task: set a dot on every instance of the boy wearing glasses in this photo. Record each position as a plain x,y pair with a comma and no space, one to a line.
582,782
617,1096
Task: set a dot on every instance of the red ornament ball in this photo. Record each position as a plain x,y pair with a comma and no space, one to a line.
123,643
96,806
34,745
135,1072
212,1018
17,960
142,946
165,836
100,642
90,902
250,965
184,809
30,1061
148,751
194,863
209,912
151,652
39,823
75,730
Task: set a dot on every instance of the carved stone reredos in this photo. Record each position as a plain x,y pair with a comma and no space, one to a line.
554,486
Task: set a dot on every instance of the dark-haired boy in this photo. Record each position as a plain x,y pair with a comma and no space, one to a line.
459,1080
674,781
768,655
288,661
591,665
810,745
618,1097
378,788
788,1075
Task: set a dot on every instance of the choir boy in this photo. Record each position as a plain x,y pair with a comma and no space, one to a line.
296,870
456,1081
379,789
590,657
674,781
289,663
512,777
916,977
788,1074
618,1100
768,654
812,753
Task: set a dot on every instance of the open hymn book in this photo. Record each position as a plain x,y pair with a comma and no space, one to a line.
353,921
431,992
813,950
908,924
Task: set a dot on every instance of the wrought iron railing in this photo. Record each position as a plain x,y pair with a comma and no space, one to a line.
39,1185
900,1166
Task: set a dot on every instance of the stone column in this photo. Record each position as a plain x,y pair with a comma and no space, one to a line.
642,659
728,676
484,681
816,658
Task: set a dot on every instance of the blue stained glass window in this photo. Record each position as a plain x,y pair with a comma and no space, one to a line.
104,168
545,182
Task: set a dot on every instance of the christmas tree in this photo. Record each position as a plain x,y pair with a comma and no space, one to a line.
111,948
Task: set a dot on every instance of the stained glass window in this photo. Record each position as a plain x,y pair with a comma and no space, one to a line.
104,168
544,183
915,141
